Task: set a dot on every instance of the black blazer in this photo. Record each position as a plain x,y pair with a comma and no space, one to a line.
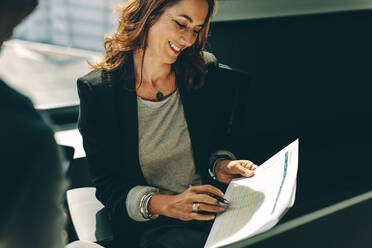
108,123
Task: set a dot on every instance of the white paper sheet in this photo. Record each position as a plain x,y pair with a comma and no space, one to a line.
259,202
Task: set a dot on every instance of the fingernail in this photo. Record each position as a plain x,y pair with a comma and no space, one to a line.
222,209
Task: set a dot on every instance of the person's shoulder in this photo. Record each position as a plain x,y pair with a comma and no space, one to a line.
13,100
22,128
17,108
94,78
96,82
218,71
211,61
18,115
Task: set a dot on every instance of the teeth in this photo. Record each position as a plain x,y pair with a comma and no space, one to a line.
174,47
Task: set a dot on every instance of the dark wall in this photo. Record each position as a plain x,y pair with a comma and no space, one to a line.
311,78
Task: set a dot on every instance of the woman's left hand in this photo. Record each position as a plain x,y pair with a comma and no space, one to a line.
226,170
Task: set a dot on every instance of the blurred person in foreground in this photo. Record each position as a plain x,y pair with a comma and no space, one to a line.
32,183
151,129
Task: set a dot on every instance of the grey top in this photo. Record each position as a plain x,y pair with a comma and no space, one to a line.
165,152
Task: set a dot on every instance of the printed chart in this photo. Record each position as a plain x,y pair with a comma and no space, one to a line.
244,203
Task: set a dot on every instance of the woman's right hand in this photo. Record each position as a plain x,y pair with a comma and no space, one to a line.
180,206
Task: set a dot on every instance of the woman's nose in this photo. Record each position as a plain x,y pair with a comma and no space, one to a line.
188,38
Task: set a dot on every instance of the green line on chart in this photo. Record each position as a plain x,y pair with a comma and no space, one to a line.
281,185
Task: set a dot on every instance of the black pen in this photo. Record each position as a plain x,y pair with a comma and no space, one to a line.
220,199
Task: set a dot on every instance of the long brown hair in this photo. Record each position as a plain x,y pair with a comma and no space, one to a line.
136,17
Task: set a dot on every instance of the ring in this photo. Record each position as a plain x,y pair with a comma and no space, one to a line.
195,207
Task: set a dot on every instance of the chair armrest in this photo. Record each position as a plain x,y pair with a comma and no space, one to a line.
83,244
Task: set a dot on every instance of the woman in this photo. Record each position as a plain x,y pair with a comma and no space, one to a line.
145,118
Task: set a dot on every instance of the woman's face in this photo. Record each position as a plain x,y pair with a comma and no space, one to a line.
176,29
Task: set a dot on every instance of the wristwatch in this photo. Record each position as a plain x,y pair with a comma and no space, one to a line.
214,161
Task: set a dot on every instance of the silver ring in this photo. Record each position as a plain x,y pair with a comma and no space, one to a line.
195,207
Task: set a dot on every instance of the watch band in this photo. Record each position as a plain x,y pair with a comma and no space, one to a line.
212,167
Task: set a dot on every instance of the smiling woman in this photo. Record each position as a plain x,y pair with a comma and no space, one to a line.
150,131
133,34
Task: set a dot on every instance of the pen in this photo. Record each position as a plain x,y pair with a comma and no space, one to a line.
220,199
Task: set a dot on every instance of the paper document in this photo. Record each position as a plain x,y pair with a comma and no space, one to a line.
257,203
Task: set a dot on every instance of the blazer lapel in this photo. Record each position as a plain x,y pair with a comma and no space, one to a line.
126,109
195,119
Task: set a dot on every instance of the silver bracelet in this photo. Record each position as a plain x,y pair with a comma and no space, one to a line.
144,207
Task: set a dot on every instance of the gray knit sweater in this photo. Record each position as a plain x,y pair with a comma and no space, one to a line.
165,153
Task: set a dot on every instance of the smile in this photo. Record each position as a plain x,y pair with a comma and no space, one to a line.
174,47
